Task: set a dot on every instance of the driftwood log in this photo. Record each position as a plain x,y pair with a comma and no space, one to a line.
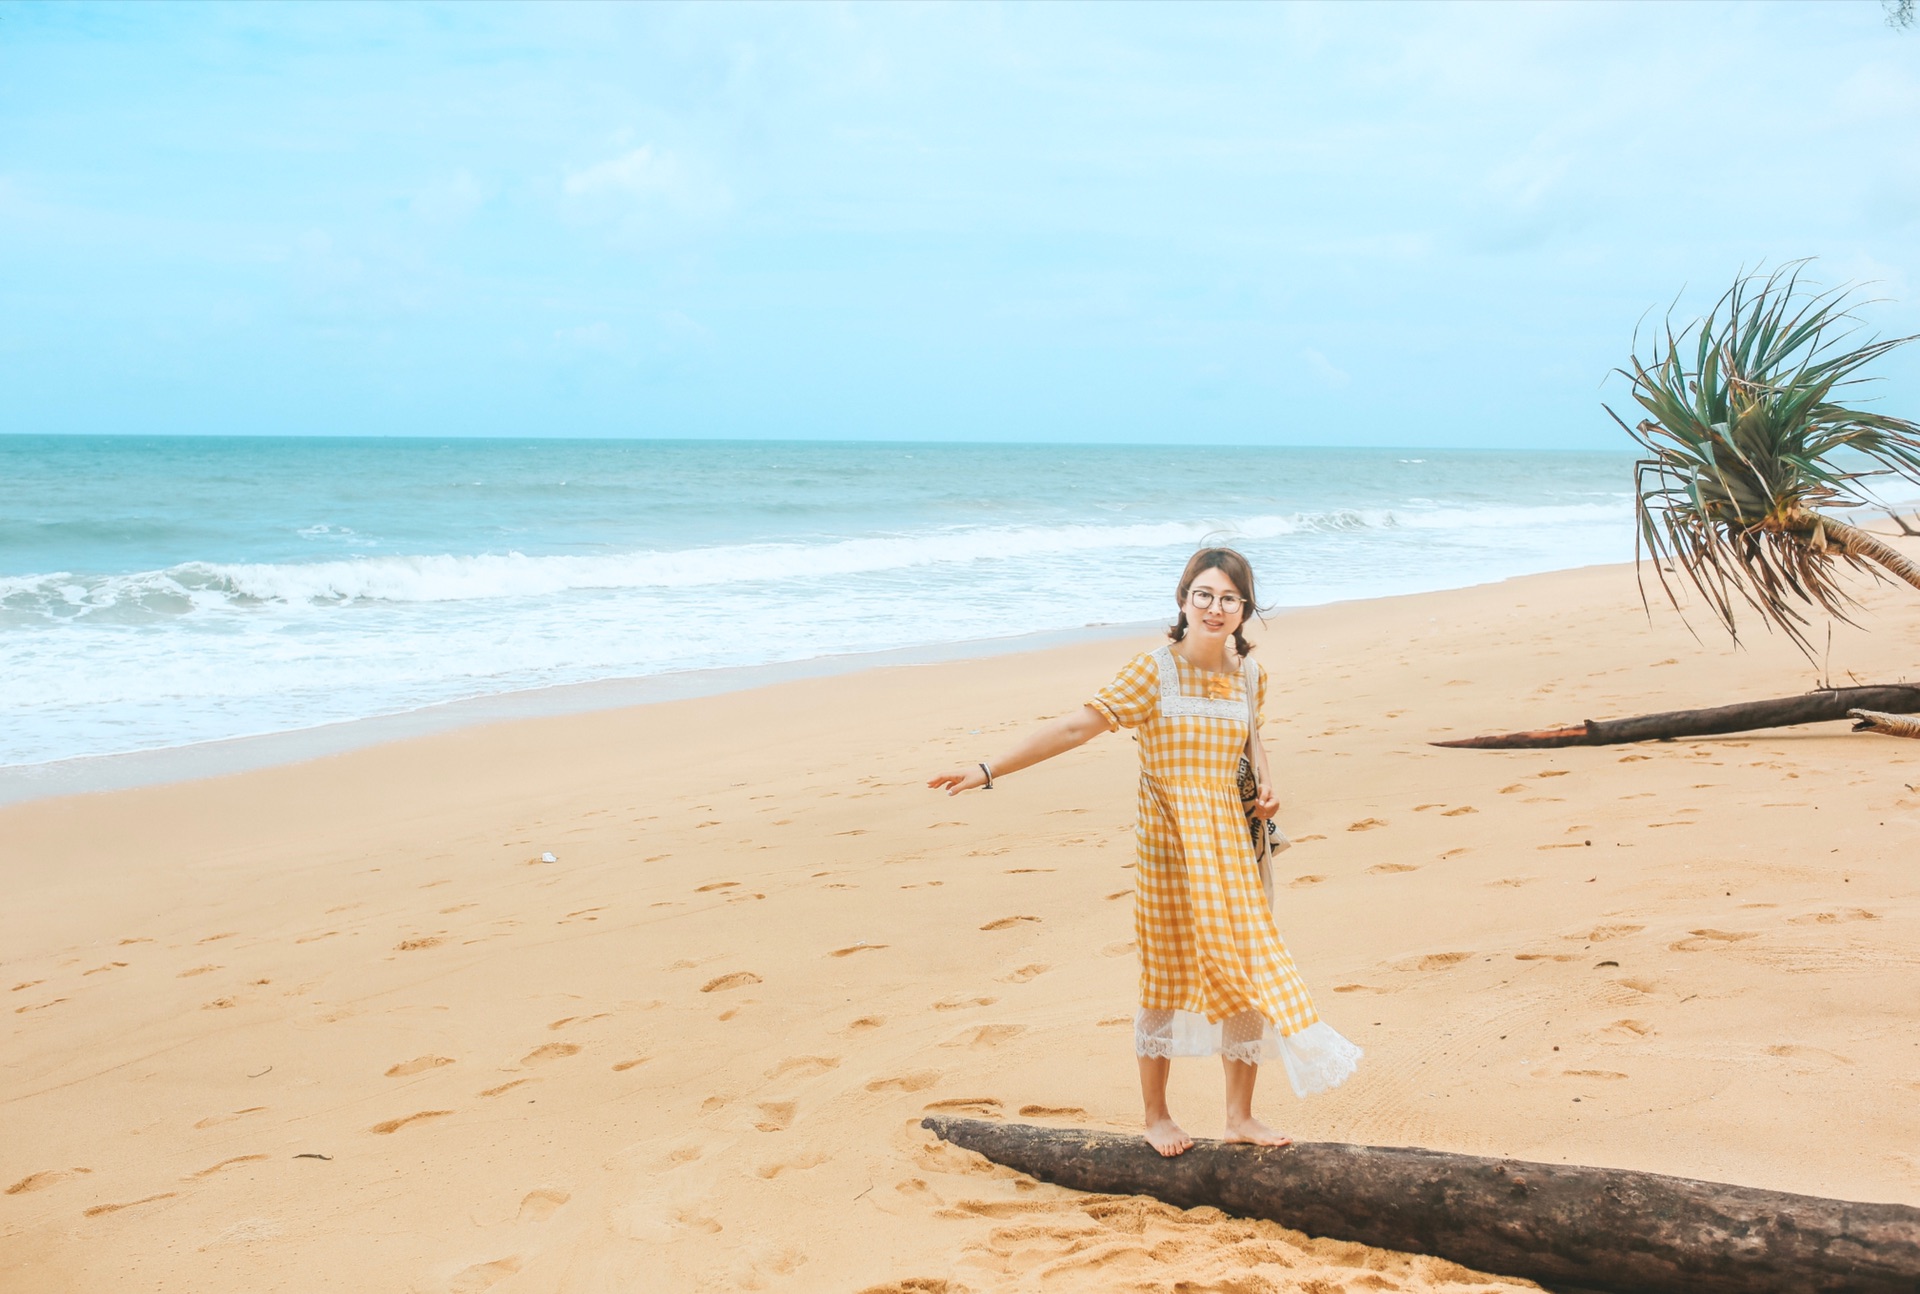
1813,707
1893,725
1566,1226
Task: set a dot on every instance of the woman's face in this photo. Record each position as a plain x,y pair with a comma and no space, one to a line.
1205,614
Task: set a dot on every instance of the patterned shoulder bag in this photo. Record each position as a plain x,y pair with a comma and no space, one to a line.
1265,833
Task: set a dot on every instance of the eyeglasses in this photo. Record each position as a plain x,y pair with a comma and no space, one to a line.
1204,598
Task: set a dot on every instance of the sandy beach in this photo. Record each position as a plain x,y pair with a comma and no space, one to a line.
336,1025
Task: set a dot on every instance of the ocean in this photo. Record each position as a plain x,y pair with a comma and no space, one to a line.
159,592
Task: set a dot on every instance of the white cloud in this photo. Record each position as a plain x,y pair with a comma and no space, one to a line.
451,199
1329,372
647,178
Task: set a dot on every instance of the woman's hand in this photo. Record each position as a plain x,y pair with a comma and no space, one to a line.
1266,804
960,779
1063,734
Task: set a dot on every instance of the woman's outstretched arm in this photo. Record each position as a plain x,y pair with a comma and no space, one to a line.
1058,737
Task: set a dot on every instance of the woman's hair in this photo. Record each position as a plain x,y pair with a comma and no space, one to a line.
1236,568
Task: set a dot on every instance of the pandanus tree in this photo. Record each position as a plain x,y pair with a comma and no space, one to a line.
1755,443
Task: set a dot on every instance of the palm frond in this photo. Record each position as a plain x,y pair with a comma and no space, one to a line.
1749,413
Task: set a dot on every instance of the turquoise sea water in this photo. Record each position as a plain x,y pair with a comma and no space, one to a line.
161,591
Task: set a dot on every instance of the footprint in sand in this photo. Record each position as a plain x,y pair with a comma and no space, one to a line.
865,1024
775,1116
962,1003
1118,894
1436,961
805,1066
39,1006
626,1065
1704,939
506,1087
1600,934
1797,1052
917,1081
1006,922
484,1276
1367,824
1052,1112
1025,973
188,974
414,945
566,1020
1462,810
1593,1073
964,1105
229,1163
738,979
986,1036
419,1065
539,1205
797,1164
99,1209
394,1125
717,885
1301,881
99,970
41,1181
1117,950
851,949
550,1051
1392,868
1834,918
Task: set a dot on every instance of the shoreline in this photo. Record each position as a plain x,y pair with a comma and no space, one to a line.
222,757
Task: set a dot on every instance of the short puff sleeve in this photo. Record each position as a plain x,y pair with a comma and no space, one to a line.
1133,698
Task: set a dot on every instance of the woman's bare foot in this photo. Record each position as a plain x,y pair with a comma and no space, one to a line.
1251,1130
1167,1137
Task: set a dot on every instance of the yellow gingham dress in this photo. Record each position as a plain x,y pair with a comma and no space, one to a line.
1215,976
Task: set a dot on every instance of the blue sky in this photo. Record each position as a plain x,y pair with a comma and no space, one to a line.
1420,225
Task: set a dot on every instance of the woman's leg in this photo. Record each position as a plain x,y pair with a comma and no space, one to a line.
1163,1134
1241,1125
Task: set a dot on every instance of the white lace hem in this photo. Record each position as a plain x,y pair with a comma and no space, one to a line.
1316,1059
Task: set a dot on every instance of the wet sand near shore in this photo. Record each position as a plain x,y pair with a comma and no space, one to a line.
337,1025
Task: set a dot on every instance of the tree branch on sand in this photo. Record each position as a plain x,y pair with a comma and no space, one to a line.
1893,725
1572,1227
1813,707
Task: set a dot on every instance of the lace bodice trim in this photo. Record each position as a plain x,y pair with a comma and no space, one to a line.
1176,704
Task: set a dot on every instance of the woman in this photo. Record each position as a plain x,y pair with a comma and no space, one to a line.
1215,978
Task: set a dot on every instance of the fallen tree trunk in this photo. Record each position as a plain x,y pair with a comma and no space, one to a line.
1600,1229
1892,725
1747,716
